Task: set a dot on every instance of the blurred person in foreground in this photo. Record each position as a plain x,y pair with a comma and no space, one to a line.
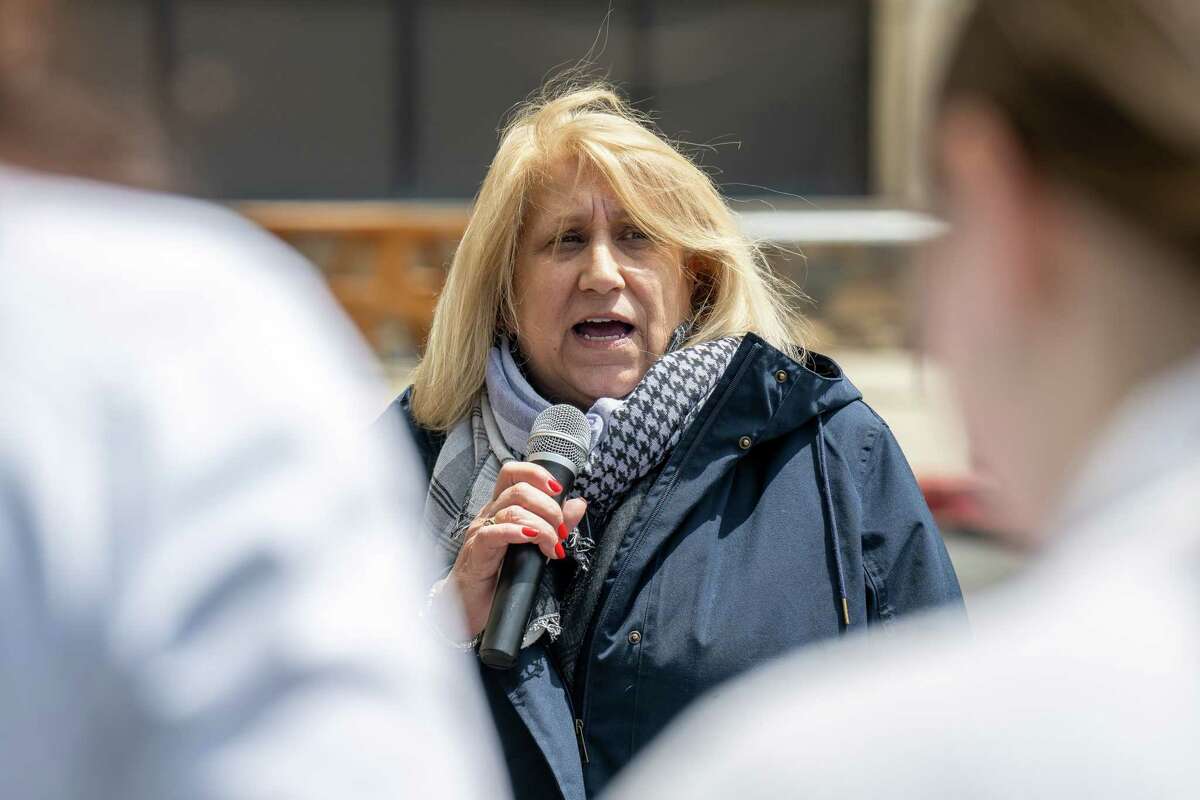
740,499
201,594
1065,302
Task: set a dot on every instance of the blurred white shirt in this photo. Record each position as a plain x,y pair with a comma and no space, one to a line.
1082,678
203,590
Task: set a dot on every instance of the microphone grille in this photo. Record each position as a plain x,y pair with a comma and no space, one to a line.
564,430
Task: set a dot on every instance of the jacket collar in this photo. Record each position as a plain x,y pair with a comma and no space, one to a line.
805,388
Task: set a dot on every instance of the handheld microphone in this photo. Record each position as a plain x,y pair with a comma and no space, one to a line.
558,443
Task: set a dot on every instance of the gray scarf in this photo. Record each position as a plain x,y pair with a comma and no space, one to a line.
630,437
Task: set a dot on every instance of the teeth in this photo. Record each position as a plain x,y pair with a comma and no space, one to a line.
601,320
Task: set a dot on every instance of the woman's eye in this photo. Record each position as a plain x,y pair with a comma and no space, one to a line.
635,233
569,237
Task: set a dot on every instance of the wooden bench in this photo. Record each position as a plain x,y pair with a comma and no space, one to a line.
385,261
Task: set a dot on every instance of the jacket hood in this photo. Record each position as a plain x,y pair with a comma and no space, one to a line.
825,386
792,394
813,386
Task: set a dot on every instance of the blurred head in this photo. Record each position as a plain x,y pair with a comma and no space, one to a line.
1068,148
591,240
51,120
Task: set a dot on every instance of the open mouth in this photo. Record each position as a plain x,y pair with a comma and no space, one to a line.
602,329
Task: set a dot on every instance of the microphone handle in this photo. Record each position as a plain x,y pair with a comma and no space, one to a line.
520,576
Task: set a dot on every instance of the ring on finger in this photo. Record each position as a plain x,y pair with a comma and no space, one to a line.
489,521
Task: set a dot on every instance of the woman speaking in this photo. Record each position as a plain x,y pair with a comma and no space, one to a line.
739,500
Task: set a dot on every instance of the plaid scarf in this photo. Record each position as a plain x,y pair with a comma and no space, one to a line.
630,437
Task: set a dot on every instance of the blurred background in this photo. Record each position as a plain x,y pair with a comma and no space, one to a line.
359,130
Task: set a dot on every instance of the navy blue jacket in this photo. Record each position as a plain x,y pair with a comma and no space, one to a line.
785,495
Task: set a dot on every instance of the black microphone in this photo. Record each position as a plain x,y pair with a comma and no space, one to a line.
558,443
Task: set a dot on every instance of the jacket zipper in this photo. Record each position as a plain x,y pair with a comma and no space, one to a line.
587,684
579,740
582,742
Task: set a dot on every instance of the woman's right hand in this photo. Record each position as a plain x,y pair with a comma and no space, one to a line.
523,510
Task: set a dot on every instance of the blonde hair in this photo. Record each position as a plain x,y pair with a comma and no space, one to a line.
662,191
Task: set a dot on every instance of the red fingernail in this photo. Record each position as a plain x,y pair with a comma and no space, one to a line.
555,486
530,532
559,552
562,530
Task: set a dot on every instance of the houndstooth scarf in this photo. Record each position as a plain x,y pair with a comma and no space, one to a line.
630,437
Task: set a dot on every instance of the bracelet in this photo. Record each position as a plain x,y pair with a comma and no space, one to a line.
427,614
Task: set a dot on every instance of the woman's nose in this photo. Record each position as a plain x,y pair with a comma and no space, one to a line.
601,273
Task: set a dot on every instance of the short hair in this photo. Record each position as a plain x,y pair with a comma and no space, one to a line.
53,119
1101,95
667,195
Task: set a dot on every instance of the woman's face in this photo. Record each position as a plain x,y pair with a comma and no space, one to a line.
596,301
